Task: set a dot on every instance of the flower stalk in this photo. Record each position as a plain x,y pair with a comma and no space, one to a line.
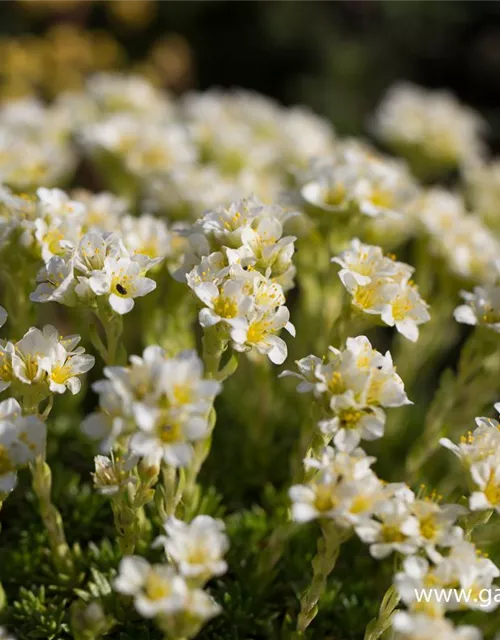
323,563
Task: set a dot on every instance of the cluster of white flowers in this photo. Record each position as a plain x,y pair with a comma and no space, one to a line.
210,147
89,246
43,361
461,239
22,438
432,124
341,486
387,517
444,581
356,179
172,594
381,286
35,146
157,406
479,452
353,387
239,265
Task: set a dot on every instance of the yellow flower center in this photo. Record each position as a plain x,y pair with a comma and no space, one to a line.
6,465
360,504
336,384
382,198
492,490
182,393
349,418
364,297
257,331
52,240
335,196
6,372
225,307
324,499
121,285
490,315
428,527
197,555
156,587
31,364
391,533
400,308
169,431
60,373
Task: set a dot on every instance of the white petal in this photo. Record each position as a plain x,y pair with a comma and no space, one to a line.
121,305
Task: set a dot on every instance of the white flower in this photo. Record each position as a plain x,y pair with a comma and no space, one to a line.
123,280
352,424
63,368
146,235
306,373
344,488
361,264
258,331
482,307
113,475
437,524
381,286
167,399
156,589
226,303
406,311
393,529
416,578
486,477
418,626
56,282
167,432
22,438
197,548
28,351
3,316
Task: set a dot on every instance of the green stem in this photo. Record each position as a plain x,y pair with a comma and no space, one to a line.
383,621
458,397
323,564
213,348
42,486
112,324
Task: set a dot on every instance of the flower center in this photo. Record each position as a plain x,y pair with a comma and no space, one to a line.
364,297
6,465
349,418
182,393
324,499
335,196
382,198
336,384
492,490
60,373
391,533
225,307
156,587
169,431
428,528
400,308
121,286
257,331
